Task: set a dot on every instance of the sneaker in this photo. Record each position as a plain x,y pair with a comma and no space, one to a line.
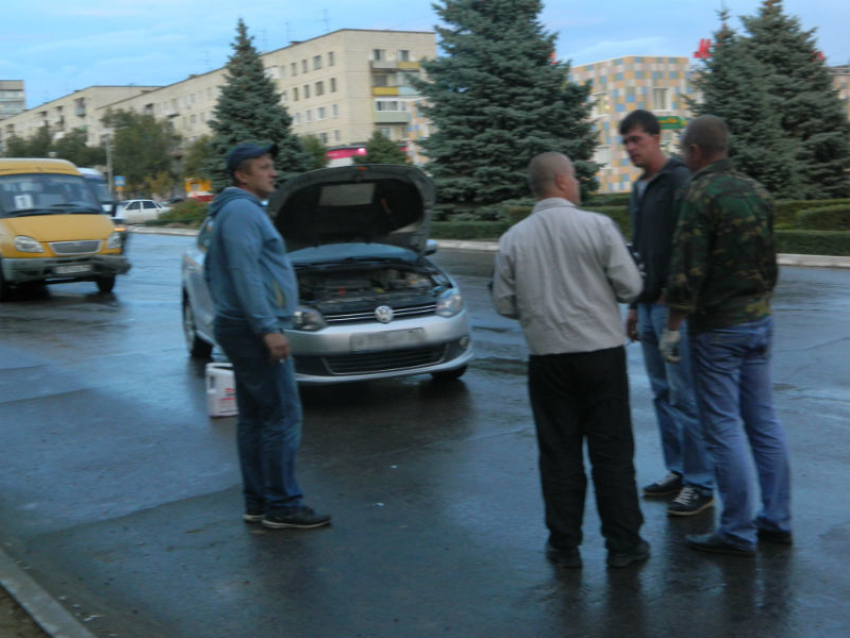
779,538
670,484
690,502
301,517
624,559
564,556
253,515
713,543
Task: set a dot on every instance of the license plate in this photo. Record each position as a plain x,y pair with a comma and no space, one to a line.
73,269
387,340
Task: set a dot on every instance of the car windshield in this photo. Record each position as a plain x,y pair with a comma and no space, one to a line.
45,194
347,253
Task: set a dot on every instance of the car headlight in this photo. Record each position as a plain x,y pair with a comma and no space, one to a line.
308,319
449,303
28,245
114,241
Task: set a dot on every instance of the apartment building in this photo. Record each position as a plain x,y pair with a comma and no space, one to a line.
341,87
12,98
77,110
621,85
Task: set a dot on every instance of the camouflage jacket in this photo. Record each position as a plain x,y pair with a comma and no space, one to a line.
723,266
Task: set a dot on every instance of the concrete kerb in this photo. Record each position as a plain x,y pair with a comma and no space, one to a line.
783,259
50,615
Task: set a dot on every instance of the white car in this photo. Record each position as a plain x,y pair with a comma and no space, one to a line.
137,211
372,304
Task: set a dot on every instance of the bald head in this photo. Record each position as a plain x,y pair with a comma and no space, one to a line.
552,175
705,140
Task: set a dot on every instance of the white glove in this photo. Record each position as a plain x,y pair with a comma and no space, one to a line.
669,345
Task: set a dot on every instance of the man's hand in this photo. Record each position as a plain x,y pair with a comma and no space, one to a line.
278,346
669,345
631,325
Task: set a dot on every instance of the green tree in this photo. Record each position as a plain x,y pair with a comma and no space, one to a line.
38,145
497,98
249,110
382,150
195,158
142,147
811,110
15,146
316,151
73,146
732,87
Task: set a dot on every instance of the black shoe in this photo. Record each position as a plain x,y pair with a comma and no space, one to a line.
252,515
689,502
564,557
301,518
779,538
624,559
670,484
715,544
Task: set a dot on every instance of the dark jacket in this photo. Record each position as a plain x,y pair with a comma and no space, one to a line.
654,215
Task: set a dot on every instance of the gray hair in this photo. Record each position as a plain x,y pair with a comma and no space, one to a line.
543,169
709,133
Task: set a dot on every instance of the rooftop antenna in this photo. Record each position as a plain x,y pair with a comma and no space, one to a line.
327,21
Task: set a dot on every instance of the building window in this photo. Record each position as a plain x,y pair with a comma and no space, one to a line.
317,62
336,136
303,66
659,100
296,119
334,110
387,132
378,54
323,137
320,113
382,79
333,85
308,115
404,55
294,68
600,105
295,94
330,58
390,105
306,91
320,88
283,97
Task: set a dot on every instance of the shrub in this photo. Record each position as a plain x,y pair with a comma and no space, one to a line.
813,242
786,210
188,213
468,230
826,218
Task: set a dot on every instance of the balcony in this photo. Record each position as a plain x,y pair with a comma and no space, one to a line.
393,65
384,90
391,117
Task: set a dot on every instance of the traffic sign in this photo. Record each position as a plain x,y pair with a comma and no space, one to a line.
119,180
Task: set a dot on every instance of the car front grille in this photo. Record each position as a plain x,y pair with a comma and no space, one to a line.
364,362
82,247
420,310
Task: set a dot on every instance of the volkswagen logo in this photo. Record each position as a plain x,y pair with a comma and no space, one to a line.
384,314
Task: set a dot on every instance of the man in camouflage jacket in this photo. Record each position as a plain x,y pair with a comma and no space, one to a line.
722,273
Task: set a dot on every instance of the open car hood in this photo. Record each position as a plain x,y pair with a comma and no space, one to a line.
380,203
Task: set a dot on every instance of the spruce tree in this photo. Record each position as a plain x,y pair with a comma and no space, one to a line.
811,109
249,110
732,87
497,98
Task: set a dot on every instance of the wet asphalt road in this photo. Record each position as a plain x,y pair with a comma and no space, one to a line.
121,497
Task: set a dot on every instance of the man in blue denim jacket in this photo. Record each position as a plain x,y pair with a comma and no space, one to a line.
253,286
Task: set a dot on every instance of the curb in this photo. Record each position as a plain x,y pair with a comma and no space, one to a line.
783,259
53,618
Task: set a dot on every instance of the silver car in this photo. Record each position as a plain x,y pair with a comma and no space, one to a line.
372,304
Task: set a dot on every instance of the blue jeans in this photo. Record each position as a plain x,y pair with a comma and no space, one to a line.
269,422
682,436
735,395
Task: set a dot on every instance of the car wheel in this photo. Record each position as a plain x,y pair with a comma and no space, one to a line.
197,347
5,289
106,284
449,375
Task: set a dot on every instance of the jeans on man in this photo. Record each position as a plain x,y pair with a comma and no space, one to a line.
269,422
735,396
576,396
682,436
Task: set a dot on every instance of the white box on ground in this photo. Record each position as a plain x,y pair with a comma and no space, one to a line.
221,390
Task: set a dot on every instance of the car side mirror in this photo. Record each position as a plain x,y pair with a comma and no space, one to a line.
431,246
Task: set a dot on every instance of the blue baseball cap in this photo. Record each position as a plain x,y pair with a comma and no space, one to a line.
242,152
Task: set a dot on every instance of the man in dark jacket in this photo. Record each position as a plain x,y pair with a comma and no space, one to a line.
653,208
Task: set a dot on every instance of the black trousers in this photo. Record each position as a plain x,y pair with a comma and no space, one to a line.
580,396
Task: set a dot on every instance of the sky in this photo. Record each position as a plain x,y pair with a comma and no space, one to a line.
57,47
